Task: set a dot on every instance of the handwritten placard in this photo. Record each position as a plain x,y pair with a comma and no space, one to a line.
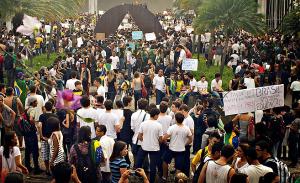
100,36
136,35
48,28
250,100
79,42
150,36
190,65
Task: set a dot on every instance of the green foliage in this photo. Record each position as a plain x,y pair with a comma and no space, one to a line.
41,60
229,16
291,22
51,10
211,71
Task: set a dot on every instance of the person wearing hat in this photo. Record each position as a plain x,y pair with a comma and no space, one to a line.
30,138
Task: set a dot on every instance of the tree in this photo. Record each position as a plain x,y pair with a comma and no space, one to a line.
229,16
291,22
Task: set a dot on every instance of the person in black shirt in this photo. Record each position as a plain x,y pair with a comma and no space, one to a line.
126,133
45,133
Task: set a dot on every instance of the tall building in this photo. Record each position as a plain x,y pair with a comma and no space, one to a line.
275,10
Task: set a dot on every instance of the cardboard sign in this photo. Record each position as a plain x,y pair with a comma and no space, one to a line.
190,65
48,29
250,100
100,36
136,35
150,36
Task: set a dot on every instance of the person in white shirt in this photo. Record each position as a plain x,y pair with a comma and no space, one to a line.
164,119
70,84
114,61
234,60
235,47
130,62
100,87
40,102
11,155
182,55
150,134
159,86
295,87
110,120
192,91
107,144
136,119
255,170
216,88
87,112
103,53
189,122
248,80
180,136
202,86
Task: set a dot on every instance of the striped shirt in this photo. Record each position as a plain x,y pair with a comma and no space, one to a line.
115,166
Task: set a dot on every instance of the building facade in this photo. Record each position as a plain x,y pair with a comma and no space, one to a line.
275,10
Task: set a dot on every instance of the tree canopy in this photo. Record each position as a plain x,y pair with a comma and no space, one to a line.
229,16
49,9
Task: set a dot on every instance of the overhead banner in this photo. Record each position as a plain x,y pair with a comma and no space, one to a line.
150,36
190,65
250,100
136,35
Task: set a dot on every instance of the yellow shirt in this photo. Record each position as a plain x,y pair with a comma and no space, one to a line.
179,85
38,41
197,157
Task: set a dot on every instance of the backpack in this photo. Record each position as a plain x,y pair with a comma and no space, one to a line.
8,62
283,171
199,168
25,127
86,170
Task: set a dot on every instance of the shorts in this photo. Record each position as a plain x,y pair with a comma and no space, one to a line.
178,156
45,151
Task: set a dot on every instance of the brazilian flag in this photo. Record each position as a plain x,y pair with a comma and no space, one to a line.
21,90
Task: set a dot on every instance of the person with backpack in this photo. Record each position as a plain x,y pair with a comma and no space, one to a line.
263,150
215,155
218,171
203,153
81,157
10,66
30,136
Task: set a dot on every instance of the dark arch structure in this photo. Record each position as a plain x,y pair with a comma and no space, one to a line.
144,19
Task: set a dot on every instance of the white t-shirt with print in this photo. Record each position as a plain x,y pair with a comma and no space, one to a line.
193,83
87,113
151,131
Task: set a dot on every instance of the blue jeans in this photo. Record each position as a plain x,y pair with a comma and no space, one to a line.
159,96
154,161
137,96
121,64
186,157
31,147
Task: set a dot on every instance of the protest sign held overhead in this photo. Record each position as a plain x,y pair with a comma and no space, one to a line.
190,65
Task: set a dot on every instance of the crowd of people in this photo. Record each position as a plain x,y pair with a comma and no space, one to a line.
91,115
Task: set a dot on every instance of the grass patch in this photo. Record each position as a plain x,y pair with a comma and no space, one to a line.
41,60
211,71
